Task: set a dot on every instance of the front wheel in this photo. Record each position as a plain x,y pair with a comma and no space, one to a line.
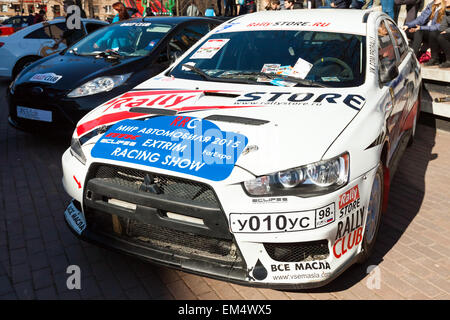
373,215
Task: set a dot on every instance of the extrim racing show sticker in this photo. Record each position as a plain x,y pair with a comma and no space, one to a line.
182,144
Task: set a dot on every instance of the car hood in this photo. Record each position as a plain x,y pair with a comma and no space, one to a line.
285,127
67,71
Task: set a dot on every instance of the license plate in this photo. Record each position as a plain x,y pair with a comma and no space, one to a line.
282,222
34,114
75,218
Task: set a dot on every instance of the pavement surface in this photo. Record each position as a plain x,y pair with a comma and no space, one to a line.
36,248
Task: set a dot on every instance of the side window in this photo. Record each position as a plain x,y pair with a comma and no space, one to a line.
91,27
57,30
182,41
69,36
386,50
41,33
399,41
189,35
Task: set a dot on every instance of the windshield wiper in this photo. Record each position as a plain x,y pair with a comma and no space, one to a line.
283,77
207,77
109,54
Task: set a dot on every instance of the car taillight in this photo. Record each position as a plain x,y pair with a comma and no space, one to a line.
2,44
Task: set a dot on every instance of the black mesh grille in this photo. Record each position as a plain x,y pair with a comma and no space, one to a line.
164,239
171,186
298,251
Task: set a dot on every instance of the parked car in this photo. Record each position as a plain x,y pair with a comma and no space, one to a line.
34,42
263,156
3,18
13,24
59,90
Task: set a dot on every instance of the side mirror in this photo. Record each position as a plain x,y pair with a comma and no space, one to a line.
388,73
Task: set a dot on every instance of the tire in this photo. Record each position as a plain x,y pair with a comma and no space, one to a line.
21,64
373,215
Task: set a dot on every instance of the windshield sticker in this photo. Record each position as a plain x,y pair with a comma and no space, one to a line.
282,83
335,79
301,69
284,71
135,24
186,145
152,43
268,68
209,49
46,77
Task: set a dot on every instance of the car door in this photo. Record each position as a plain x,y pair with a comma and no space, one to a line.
38,42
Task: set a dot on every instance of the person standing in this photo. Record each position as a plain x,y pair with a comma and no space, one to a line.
122,13
219,7
387,6
412,8
192,10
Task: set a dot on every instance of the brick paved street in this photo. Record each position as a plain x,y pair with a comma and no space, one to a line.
36,247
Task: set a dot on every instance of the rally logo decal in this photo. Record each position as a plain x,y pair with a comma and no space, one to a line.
350,228
182,144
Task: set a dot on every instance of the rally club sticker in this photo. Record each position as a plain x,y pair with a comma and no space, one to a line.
182,144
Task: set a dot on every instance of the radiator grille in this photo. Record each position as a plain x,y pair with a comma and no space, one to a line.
170,186
164,239
298,252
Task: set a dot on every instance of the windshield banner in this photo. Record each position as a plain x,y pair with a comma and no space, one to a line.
177,143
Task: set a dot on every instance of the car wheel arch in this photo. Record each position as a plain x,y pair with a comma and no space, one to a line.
18,63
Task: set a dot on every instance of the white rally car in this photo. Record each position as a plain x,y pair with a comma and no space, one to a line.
263,156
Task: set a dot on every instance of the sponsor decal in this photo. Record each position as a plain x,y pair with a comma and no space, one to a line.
46,77
258,272
372,54
349,197
288,24
182,144
163,99
301,266
353,101
349,233
269,200
302,276
135,24
282,222
316,270
75,218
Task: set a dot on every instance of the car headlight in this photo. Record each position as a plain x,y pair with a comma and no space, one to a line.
310,180
100,84
76,151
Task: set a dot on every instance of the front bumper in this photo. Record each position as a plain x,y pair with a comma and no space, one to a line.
65,112
295,259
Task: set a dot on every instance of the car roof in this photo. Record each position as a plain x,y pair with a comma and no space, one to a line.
25,31
329,20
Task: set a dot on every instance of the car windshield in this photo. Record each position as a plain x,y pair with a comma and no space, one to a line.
278,57
125,39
